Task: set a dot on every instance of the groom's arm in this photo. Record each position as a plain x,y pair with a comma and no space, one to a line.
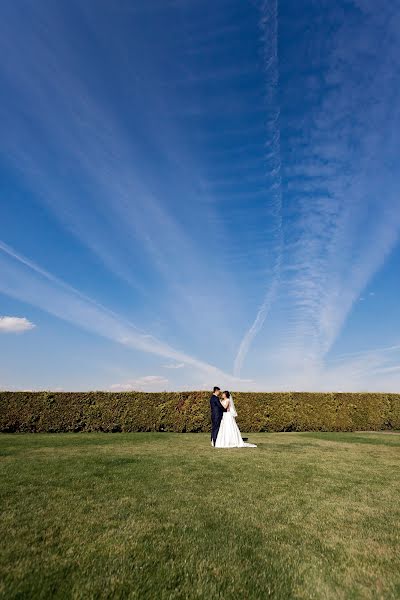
222,405
216,403
225,405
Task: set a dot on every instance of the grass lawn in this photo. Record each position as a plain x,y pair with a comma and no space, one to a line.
304,515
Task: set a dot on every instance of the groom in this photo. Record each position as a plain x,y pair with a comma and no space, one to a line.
217,410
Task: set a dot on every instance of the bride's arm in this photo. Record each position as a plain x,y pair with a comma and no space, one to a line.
225,403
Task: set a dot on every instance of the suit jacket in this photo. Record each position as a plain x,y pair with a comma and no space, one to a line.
217,410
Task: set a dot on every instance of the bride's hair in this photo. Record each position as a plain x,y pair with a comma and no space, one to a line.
227,394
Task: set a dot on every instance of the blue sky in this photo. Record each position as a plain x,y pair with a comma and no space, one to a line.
198,193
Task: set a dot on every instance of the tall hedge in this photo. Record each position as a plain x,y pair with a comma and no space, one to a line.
189,411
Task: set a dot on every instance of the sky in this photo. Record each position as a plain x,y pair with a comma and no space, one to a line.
198,193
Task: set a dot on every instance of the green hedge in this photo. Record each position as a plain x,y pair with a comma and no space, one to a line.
189,411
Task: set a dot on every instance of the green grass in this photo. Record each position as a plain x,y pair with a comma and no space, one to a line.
304,515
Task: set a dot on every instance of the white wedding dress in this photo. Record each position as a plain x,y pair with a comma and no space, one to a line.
229,435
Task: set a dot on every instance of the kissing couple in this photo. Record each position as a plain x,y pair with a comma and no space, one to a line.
224,431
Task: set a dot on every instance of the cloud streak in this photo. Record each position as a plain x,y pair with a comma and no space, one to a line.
344,219
228,199
269,28
132,220
23,279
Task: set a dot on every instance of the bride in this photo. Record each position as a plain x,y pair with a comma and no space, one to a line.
229,435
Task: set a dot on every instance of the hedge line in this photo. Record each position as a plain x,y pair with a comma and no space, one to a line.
189,411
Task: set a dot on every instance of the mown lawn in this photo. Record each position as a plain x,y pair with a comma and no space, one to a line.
304,515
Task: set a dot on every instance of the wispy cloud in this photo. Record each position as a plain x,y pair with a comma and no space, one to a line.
132,219
223,191
380,351
344,199
15,324
372,370
394,369
375,370
273,194
23,279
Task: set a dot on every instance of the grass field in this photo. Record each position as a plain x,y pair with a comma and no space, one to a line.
304,515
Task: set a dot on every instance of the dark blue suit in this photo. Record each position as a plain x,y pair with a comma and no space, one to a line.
217,410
